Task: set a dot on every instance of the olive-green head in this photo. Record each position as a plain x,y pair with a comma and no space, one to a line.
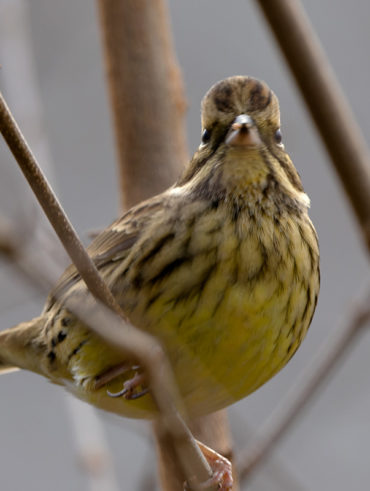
235,96
241,151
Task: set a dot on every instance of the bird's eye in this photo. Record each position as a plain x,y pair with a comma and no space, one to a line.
278,137
206,136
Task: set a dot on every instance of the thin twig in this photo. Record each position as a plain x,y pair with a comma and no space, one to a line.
325,100
113,333
302,393
109,324
147,350
52,208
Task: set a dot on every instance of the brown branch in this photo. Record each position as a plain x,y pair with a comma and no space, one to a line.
304,390
350,156
39,269
52,208
124,337
116,331
148,351
96,316
148,105
325,100
147,96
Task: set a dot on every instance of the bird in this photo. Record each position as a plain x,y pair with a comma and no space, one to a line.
222,268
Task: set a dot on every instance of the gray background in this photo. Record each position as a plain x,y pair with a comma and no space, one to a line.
329,448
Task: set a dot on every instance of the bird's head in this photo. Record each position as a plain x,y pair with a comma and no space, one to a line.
240,112
241,145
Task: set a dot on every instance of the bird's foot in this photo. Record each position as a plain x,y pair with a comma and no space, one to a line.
222,475
130,387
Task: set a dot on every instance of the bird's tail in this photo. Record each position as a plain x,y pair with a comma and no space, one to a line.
21,346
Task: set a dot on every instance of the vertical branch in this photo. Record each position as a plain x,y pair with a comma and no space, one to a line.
148,104
170,472
146,92
326,102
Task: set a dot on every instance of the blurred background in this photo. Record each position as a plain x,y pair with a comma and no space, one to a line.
329,446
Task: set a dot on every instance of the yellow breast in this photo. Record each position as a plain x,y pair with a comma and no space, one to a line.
230,317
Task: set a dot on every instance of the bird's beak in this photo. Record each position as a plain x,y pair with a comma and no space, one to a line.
243,132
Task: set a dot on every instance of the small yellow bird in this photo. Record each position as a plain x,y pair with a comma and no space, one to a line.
223,268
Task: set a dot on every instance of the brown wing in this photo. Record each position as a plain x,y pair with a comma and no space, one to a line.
111,244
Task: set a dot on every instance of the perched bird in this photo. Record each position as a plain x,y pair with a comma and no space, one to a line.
223,268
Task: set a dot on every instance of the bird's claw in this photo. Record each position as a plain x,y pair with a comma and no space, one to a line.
222,475
129,388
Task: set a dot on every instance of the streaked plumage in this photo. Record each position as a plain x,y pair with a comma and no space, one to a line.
223,267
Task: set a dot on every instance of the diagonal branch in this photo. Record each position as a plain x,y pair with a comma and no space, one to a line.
325,100
351,158
52,208
105,311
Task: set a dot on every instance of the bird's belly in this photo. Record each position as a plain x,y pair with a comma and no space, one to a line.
224,338
226,344
221,350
